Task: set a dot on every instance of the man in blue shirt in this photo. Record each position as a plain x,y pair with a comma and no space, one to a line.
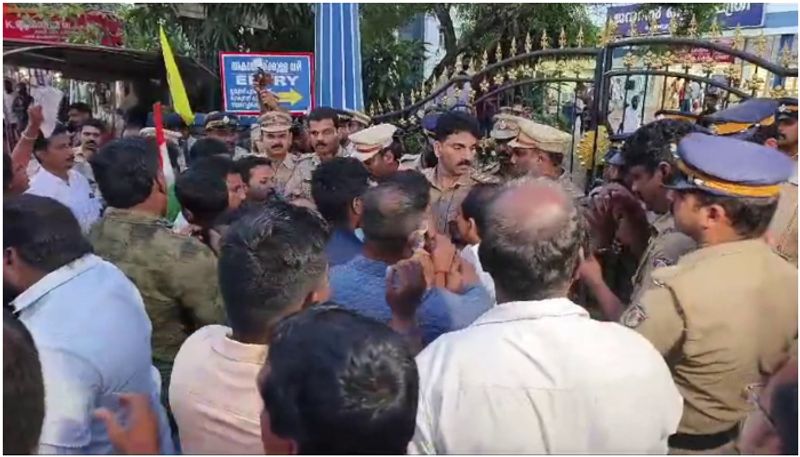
393,215
336,186
88,322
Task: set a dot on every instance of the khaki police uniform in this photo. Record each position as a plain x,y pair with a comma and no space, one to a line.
665,247
783,226
410,162
725,316
445,202
276,122
369,142
547,139
784,223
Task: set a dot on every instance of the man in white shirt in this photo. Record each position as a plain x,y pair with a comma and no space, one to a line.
273,264
535,374
56,179
88,322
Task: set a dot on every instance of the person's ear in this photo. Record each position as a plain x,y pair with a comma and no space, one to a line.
357,205
437,148
715,214
9,257
666,172
320,294
188,215
473,227
771,143
161,182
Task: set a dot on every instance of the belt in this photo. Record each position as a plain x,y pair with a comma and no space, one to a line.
703,442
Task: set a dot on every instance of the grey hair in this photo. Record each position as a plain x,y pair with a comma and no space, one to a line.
390,214
531,246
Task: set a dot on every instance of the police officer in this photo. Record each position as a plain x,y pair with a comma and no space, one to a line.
539,149
786,118
350,122
225,127
768,122
276,139
324,131
725,316
455,143
783,228
504,130
742,118
373,147
617,212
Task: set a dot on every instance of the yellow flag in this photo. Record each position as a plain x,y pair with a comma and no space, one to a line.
180,101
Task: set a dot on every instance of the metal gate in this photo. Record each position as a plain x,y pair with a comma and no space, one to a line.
591,91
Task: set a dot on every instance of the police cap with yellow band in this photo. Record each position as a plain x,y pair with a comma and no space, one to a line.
743,116
730,167
673,114
787,109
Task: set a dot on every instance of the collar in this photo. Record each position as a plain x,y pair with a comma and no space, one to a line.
128,215
54,279
236,351
663,223
368,266
721,250
345,233
45,174
531,310
431,173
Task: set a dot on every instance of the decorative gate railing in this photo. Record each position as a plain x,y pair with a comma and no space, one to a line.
597,91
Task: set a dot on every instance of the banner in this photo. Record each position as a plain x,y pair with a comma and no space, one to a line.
730,15
21,24
293,74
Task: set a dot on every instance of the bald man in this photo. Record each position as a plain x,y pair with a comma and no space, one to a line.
546,386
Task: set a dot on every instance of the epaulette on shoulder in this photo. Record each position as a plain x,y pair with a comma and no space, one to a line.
485,178
662,275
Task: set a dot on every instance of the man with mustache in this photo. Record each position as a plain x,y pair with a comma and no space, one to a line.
539,150
225,127
276,139
56,178
90,136
351,122
456,139
323,132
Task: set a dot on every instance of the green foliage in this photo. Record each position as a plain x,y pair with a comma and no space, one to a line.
390,67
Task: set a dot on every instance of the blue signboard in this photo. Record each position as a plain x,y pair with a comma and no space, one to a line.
292,73
730,16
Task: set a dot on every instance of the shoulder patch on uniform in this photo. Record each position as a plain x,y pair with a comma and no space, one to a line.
661,275
485,178
634,316
660,262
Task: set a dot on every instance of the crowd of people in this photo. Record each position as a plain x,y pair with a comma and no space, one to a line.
322,292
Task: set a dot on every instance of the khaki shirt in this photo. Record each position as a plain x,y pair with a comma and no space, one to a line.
410,162
445,202
566,182
284,171
784,223
725,318
176,275
299,185
666,246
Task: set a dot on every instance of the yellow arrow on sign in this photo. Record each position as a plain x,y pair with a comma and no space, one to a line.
292,97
